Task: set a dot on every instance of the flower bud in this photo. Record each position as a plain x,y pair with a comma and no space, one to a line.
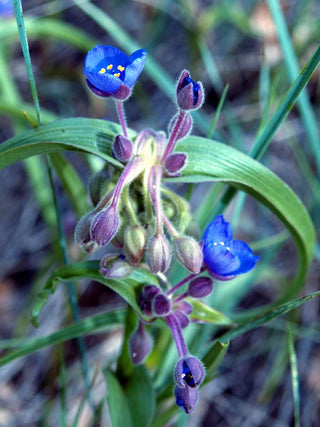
158,254
200,287
134,243
189,371
122,149
186,127
104,226
190,94
189,253
114,267
161,305
145,299
96,184
186,398
82,233
182,318
185,307
140,345
175,163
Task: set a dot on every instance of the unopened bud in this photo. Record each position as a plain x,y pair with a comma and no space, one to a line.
114,267
122,149
82,233
200,287
182,318
189,371
158,254
140,345
161,305
134,243
190,94
186,398
184,306
186,127
96,185
175,163
189,253
104,226
146,297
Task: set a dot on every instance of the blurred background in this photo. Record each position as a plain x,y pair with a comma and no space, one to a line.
234,48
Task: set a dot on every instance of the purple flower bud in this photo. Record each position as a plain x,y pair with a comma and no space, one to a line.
185,129
186,398
145,298
185,307
175,163
200,287
82,233
158,254
134,243
113,267
122,149
140,345
189,253
189,371
161,305
104,226
182,318
190,94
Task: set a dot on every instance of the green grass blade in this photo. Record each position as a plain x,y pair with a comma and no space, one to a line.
294,377
62,389
26,54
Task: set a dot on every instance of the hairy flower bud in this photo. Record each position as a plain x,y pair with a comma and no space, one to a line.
158,254
161,305
186,398
104,226
189,253
190,94
184,306
82,233
146,297
140,345
189,371
175,163
182,318
134,243
186,127
113,267
96,185
200,287
122,149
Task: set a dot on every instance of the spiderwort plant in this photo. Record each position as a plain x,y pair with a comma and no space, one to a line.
151,224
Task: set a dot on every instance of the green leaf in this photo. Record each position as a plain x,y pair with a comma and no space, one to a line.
213,358
128,288
213,161
202,313
141,397
294,376
117,402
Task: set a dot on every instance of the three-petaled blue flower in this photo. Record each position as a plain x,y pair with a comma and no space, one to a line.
110,72
224,257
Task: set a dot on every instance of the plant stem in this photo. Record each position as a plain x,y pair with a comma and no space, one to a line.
174,134
183,282
122,117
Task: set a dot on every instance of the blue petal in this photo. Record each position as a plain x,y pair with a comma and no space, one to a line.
133,70
218,230
244,253
220,260
104,82
106,54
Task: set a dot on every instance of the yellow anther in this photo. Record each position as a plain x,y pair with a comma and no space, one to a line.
102,71
109,67
120,68
117,74
183,375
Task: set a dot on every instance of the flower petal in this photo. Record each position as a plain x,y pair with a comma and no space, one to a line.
244,253
220,260
105,54
103,82
136,64
218,230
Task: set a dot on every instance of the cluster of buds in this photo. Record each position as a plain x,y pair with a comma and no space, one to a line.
151,224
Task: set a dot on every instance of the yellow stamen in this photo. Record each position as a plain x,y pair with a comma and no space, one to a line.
120,68
109,67
183,375
117,74
102,71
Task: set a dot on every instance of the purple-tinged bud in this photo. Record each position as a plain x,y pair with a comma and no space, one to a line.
200,287
140,345
150,291
161,305
182,318
134,243
189,253
82,233
158,254
185,307
190,94
96,184
112,267
189,371
104,226
184,129
175,163
122,149
145,298
186,398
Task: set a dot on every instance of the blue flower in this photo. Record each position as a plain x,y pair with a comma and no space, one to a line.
224,257
190,94
6,9
110,72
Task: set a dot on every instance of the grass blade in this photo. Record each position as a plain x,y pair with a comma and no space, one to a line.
294,376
